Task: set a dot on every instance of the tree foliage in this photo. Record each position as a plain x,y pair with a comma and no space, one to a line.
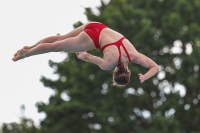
25,126
85,101
167,31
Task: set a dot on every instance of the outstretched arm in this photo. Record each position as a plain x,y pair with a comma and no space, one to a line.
102,63
148,63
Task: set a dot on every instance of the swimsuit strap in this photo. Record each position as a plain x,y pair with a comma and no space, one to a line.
118,44
114,43
126,52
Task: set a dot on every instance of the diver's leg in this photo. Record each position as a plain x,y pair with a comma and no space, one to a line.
52,39
80,43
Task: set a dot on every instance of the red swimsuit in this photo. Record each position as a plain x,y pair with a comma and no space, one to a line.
94,30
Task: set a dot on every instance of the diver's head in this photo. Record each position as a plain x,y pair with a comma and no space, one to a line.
121,76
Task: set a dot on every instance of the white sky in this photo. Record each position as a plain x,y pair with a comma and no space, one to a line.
24,23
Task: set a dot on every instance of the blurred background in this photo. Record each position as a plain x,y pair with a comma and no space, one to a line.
58,93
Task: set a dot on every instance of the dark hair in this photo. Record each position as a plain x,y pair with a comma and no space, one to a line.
121,77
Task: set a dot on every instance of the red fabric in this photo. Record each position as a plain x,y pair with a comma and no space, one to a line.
94,30
118,44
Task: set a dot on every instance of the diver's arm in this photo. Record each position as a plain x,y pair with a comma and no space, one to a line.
102,63
148,63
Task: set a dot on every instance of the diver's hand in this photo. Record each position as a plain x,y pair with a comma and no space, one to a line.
141,77
82,55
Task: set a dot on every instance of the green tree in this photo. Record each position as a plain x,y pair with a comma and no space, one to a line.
166,31
25,125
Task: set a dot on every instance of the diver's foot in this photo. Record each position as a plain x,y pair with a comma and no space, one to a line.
20,54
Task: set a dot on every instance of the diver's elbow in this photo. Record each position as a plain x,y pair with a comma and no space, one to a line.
156,68
105,67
